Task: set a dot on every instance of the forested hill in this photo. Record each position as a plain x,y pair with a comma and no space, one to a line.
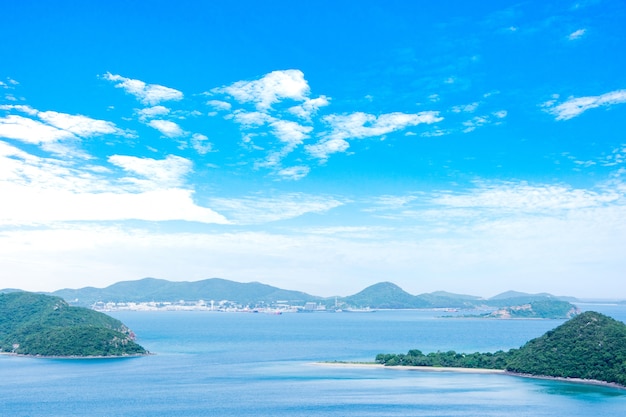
589,346
43,325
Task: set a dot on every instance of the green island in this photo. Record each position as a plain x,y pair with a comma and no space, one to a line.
538,309
590,346
46,326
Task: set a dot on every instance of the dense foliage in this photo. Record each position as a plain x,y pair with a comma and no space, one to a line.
589,346
452,359
35,324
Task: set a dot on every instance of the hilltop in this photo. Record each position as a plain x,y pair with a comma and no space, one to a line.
383,295
590,346
42,325
160,290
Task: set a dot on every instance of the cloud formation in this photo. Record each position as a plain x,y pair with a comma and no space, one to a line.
259,209
261,106
38,190
152,173
577,34
575,106
53,131
148,94
270,89
523,197
167,128
361,125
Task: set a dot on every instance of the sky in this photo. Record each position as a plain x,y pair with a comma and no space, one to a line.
470,147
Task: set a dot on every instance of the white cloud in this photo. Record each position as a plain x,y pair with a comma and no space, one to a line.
270,89
167,128
575,106
54,128
323,149
309,107
294,173
39,190
219,105
435,133
466,108
9,84
26,205
255,210
501,114
289,132
201,144
362,125
472,124
251,119
165,173
79,125
479,121
527,198
20,107
577,34
31,131
149,94
152,112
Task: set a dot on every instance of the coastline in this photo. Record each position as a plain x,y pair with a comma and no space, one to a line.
472,371
412,368
75,357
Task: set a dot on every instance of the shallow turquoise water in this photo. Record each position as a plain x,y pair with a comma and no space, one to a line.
236,364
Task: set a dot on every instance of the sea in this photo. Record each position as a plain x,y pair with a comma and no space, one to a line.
246,364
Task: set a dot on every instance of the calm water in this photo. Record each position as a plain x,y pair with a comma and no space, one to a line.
237,364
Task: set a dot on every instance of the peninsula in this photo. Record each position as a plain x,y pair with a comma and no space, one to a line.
46,326
589,347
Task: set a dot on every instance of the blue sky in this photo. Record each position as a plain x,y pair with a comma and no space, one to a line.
323,147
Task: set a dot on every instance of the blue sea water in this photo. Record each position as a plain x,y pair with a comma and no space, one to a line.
237,364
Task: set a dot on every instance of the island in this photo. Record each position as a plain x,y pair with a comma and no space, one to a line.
46,326
538,309
589,347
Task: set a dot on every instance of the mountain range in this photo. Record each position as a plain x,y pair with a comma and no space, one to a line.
383,295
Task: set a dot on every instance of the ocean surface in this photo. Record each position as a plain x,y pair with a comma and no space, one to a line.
244,364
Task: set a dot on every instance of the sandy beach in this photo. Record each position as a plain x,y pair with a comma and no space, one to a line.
470,371
413,368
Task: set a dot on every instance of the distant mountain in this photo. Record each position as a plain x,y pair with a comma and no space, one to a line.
152,289
445,294
42,325
517,294
386,295
523,297
383,295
